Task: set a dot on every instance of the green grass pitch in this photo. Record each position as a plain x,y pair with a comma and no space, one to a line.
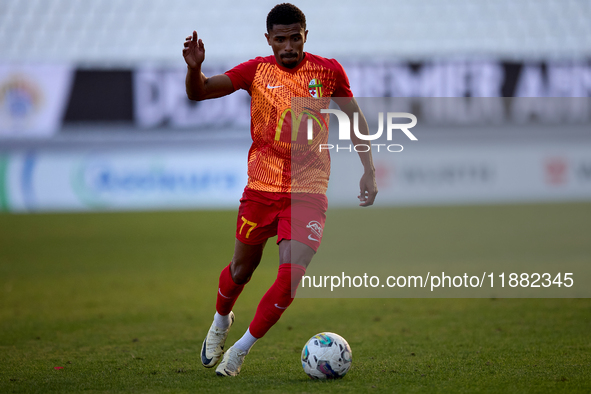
120,302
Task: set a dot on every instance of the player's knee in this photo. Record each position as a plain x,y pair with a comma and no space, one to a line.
295,260
240,275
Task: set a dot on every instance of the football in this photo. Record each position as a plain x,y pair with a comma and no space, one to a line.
326,356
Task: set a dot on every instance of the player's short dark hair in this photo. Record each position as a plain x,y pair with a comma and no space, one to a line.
285,14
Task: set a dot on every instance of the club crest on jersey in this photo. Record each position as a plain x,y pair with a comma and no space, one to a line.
315,88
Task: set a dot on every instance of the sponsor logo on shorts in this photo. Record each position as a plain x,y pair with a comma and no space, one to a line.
316,229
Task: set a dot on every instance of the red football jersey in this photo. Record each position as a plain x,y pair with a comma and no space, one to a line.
282,158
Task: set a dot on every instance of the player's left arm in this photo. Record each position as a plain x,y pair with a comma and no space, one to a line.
368,188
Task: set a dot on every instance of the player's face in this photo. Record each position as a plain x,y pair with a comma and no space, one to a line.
287,42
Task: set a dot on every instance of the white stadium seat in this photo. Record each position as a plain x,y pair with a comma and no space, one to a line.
115,32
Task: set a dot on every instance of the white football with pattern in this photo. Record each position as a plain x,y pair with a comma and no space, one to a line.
326,356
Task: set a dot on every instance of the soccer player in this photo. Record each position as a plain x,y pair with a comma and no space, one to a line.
282,197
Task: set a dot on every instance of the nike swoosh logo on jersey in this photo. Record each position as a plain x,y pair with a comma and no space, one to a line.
280,307
312,238
274,87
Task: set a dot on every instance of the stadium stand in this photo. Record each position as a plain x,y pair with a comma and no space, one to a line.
94,113
106,33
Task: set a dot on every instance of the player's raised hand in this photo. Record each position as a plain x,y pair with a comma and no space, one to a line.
194,51
368,189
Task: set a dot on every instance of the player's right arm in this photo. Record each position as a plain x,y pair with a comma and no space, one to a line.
198,86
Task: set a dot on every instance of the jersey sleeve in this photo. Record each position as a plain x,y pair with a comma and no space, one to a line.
243,74
342,88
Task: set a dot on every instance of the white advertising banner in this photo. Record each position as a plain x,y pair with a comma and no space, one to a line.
122,180
473,174
33,99
183,179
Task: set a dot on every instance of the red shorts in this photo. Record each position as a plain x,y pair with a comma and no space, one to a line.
297,216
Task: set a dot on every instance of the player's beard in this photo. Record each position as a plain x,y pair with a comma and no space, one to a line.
289,60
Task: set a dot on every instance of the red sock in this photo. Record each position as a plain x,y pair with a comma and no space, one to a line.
228,292
276,299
